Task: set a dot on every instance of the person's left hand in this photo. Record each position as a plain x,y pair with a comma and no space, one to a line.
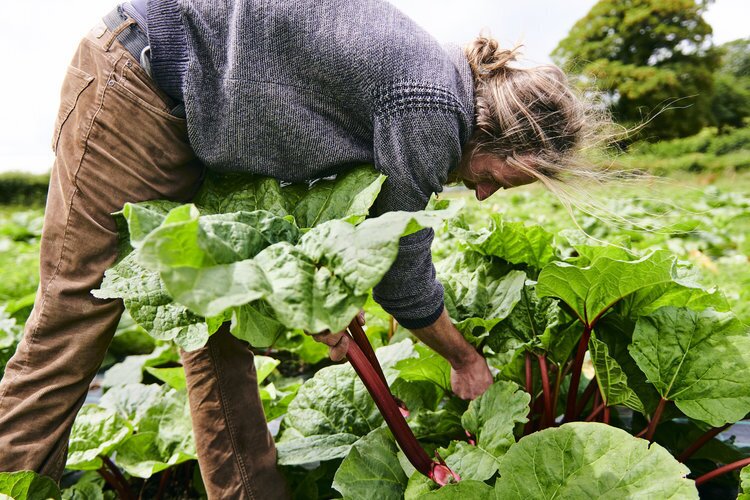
338,343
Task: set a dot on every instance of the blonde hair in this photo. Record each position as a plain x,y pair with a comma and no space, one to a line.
539,122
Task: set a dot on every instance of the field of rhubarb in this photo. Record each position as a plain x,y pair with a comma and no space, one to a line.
620,349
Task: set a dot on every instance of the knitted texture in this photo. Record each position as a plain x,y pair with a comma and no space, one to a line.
303,89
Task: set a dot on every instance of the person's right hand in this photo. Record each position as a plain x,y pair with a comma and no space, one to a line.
471,378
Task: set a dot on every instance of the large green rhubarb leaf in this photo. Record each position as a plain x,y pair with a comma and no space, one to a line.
511,241
478,293
372,470
146,298
320,283
224,193
699,360
613,383
590,460
27,485
491,418
185,238
348,197
332,411
428,366
96,431
164,437
590,291
538,324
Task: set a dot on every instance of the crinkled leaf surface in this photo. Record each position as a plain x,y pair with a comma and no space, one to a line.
536,323
590,291
478,294
318,284
348,197
491,418
132,401
333,410
96,431
185,238
511,241
590,460
164,437
699,360
27,485
428,366
149,304
85,491
224,193
372,470
613,383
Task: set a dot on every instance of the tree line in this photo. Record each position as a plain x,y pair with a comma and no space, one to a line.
655,61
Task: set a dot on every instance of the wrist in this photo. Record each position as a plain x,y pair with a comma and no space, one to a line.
465,357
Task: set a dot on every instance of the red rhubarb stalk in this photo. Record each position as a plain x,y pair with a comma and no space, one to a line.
547,393
587,394
360,337
596,412
528,428
437,471
655,420
700,442
575,377
722,470
605,418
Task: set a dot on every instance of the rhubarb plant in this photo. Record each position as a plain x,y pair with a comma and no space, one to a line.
599,351
308,267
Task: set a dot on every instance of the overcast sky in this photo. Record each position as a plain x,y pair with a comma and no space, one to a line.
39,37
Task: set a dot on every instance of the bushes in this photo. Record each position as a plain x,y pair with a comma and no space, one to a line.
17,188
704,152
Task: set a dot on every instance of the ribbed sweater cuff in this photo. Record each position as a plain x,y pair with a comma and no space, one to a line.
411,324
168,40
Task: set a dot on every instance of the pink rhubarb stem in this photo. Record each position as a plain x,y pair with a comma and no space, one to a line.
722,470
700,442
596,412
655,420
360,337
587,394
386,403
530,390
546,391
575,378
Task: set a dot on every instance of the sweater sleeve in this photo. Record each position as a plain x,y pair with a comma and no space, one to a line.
415,148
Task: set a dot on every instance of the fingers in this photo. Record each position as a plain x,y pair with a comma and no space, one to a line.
328,338
338,343
361,318
338,351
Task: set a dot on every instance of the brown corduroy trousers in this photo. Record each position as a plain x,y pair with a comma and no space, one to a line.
115,142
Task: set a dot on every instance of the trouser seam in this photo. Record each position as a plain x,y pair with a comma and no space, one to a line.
230,426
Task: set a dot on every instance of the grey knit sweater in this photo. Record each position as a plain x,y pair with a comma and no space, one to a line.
303,89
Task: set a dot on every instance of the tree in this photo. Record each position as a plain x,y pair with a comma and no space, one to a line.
645,54
731,101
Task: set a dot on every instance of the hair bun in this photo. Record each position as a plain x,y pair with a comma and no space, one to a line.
486,58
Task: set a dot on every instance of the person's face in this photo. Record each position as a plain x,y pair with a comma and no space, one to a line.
486,174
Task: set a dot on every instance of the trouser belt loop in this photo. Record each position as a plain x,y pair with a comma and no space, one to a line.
122,27
127,30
